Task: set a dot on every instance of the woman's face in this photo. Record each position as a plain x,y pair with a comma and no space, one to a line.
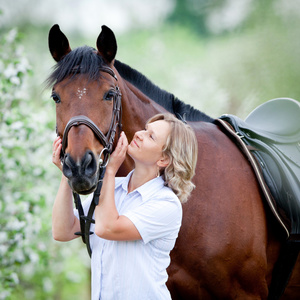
146,145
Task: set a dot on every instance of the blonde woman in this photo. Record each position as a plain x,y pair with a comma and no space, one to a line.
139,216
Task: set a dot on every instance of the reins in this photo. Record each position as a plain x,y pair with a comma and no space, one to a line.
107,142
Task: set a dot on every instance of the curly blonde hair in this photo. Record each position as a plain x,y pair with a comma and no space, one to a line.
182,150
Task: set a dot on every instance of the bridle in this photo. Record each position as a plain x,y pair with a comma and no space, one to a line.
107,141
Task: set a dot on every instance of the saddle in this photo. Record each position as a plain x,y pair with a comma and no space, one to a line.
270,138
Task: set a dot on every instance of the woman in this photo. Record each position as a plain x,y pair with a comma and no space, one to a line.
139,216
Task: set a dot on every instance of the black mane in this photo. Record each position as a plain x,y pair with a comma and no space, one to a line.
85,60
162,97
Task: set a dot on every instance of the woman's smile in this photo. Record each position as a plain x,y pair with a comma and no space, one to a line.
135,143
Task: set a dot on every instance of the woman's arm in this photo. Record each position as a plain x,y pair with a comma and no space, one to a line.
108,223
64,222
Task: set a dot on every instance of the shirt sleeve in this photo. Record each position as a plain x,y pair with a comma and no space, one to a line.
157,218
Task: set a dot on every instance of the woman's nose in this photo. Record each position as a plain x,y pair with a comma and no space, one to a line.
139,134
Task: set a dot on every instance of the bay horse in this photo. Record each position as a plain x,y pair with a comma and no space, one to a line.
229,242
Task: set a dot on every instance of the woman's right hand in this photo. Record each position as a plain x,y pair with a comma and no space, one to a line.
56,152
118,156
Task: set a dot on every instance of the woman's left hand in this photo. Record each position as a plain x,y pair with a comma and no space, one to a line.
56,147
119,154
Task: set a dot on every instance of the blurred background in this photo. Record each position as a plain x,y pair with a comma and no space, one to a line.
221,57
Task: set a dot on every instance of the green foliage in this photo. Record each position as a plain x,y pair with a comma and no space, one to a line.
18,220
191,14
27,250
223,73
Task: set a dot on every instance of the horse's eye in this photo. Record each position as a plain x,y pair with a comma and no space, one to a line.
109,96
55,97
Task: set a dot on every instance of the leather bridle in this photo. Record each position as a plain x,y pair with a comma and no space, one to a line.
107,141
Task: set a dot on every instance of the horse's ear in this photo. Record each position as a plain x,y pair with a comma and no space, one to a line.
107,44
58,43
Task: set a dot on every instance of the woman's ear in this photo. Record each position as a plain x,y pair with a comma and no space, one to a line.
164,161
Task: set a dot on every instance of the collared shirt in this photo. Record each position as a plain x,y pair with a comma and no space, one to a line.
136,270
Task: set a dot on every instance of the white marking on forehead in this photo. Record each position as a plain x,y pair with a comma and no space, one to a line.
80,92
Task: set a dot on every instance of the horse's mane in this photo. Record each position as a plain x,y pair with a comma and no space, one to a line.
162,97
85,60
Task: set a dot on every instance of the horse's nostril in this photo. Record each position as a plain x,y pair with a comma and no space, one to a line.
89,164
67,166
86,168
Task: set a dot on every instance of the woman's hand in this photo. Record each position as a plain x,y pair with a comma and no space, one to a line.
118,156
56,152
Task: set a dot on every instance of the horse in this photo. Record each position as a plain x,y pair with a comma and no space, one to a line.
229,242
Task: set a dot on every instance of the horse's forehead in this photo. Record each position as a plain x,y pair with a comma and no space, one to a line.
81,86
80,92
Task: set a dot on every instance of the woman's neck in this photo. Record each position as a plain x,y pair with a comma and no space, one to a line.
140,176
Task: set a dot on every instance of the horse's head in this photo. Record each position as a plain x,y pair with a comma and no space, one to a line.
88,105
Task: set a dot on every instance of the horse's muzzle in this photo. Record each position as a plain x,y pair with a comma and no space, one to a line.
83,174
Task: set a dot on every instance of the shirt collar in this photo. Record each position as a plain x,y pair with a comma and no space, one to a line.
147,189
126,181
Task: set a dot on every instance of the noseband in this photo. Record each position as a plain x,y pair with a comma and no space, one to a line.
107,141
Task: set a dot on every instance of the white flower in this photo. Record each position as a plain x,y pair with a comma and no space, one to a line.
15,225
4,295
42,247
10,210
3,237
11,174
11,36
10,71
18,237
3,249
28,270
23,65
15,80
47,285
19,255
1,66
14,278
34,258
73,277
17,125
24,206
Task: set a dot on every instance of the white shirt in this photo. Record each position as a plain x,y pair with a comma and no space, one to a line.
136,270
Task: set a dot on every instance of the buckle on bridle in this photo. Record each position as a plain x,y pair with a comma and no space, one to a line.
103,162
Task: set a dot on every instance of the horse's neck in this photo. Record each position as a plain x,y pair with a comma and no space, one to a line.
137,108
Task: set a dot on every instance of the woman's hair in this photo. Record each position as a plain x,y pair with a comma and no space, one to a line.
182,150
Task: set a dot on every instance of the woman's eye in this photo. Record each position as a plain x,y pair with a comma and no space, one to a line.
109,96
150,135
56,98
